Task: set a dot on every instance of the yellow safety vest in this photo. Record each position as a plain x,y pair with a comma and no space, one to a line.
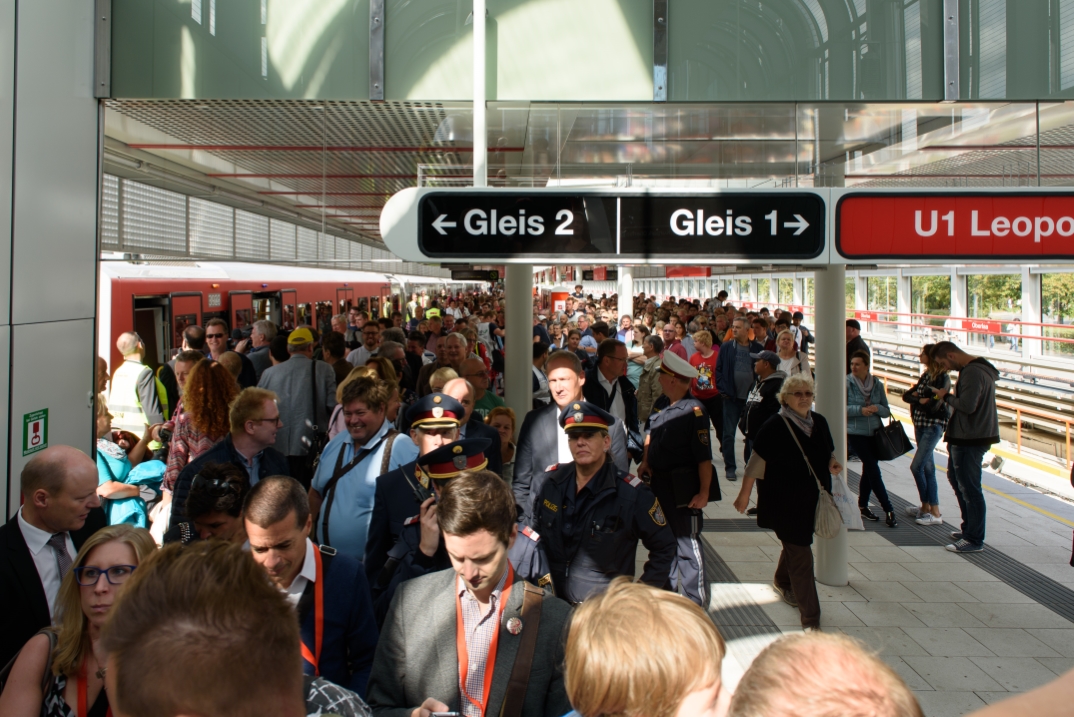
123,401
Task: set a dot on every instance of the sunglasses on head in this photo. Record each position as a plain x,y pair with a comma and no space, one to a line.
217,487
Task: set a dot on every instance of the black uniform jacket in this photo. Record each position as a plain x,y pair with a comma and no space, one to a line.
591,537
395,500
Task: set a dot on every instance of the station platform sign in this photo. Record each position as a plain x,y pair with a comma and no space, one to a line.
613,226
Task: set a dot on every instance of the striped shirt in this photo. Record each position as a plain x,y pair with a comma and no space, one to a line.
479,629
186,445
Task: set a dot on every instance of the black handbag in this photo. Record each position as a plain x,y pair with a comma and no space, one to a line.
686,482
320,438
891,441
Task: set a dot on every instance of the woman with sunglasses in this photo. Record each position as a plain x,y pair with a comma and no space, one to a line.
74,684
792,452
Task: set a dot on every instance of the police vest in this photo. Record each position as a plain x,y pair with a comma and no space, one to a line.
123,401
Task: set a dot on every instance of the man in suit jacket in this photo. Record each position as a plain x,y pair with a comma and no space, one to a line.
416,669
542,444
294,382
607,386
59,491
472,426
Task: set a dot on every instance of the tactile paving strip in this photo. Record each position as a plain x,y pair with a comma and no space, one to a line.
733,609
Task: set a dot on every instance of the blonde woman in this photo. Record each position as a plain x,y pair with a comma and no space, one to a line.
440,377
76,687
791,362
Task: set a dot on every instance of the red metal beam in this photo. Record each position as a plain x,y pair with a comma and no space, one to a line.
333,194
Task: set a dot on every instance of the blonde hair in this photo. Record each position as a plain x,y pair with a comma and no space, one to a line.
503,411
615,667
793,676
780,335
72,627
792,384
356,373
249,405
702,337
443,375
102,405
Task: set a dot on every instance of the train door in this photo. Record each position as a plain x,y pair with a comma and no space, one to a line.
344,300
241,306
185,311
266,306
151,324
289,302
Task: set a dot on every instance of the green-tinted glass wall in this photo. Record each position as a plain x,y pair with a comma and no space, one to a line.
593,50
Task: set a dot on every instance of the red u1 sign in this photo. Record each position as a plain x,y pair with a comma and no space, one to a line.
1015,225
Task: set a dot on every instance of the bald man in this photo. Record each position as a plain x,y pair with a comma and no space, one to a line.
37,547
135,399
474,371
473,426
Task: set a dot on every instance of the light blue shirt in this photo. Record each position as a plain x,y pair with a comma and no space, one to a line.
352,506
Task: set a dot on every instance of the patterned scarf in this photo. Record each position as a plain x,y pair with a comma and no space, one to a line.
804,423
866,387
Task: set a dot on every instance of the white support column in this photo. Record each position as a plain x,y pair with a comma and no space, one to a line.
831,401
732,293
773,291
861,298
626,293
959,301
518,354
903,305
577,280
480,117
1032,312
799,291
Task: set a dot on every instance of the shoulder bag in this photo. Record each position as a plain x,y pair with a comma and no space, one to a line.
46,677
320,438
515,697
827,520
891,441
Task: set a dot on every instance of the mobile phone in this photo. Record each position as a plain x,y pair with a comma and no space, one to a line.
446,714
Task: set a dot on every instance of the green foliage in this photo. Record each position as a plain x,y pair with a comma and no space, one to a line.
850,294
931,295
786,291
1057,297
763,286
993,293
882,292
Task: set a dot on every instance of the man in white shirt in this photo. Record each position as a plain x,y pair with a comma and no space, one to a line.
37,548
370,343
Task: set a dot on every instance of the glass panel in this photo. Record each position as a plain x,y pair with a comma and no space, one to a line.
930,296
1057,308
763,287
850,296
996,297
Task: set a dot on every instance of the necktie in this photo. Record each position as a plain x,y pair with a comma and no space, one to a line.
58,542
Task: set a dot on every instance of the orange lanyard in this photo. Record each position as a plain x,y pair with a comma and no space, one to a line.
314,658
460,645
83,692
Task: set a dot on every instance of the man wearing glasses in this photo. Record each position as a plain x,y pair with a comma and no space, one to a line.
135,399
607,386
370,343
474,371
216,338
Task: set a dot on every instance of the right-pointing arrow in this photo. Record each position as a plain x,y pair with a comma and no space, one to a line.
439,224
801,225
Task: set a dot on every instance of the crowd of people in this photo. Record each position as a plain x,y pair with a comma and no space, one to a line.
442,555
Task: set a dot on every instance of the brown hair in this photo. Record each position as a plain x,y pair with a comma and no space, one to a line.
383,368
614,667
863,355
72,627
503,411
793,676
248,405
564,357
373,393
205,615
932,366
209,391
275,498
477,501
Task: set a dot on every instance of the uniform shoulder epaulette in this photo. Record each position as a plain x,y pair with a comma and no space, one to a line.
697,410
632,480
530,533
412,519
551,468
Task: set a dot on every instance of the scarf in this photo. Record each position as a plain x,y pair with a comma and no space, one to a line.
804,424
866,387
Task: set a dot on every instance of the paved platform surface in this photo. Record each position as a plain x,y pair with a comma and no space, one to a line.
963,631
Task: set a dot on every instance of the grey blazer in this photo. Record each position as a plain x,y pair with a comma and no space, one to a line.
291,381
416,657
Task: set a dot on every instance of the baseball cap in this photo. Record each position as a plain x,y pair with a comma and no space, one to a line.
770,356
299,337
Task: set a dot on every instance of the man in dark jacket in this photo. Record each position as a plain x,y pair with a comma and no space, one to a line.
854,340
254,419
734,379
763,401
607,386
974,426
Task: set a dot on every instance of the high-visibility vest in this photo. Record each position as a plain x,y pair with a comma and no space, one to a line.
123,401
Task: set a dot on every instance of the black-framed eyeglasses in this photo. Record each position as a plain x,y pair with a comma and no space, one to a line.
277,420
216,487
215,336
88,575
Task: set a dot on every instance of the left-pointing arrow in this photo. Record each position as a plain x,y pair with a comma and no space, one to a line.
800,225
439,224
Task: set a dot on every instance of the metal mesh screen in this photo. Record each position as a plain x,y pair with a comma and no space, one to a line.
212,229
110,213
281,240
326,247
307,245
251,235
154,219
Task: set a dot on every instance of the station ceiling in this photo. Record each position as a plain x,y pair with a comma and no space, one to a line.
339,162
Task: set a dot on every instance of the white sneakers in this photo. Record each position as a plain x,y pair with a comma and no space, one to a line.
929,519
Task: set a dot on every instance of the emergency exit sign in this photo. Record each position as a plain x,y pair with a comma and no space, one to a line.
34,431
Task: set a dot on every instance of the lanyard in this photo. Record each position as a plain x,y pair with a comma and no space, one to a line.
314,658
83,690
490,661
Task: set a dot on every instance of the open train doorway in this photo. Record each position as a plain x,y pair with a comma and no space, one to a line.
151,322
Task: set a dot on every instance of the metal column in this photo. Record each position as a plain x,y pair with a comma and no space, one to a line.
480,118
831,401
626,293
518,349
1031,312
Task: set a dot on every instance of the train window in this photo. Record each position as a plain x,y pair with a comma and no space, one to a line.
304,312
374,307
288,317
243,324
324,316
180,323
263,310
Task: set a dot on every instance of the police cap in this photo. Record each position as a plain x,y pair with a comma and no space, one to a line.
674,365
454,458
582,416
436,410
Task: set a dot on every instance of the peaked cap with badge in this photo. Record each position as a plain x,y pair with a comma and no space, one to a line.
583,416
436,410
449,461
674,365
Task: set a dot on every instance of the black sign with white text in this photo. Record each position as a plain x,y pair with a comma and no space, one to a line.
773,225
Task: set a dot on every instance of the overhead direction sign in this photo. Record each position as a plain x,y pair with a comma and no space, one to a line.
1012,225
475,275
607,226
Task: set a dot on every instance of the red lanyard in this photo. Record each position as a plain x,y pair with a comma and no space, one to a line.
83,692
490,661
314,657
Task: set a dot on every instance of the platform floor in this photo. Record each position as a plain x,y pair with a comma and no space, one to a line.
963,631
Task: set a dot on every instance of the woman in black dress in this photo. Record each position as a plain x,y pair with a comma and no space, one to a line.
787,493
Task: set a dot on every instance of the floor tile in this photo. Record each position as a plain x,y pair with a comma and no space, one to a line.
884,591
1059,639
995,592
1033,555
859,538
932,554
940,591
1058,665
948,704
992,698
888,572
1011,642
886,640
913,680
838,593
956,572
1016,674
753,572
750,538
742,553
885,555
942,614
1014,615
837,614
947,642
1056,571
883,614
783,614
952,674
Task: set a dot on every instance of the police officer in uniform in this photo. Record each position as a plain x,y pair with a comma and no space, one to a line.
420,548
434,421
677,450
592,513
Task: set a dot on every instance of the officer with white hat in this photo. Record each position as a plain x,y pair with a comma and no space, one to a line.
678,459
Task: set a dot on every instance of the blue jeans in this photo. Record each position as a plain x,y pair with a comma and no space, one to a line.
964,473
871,479
924,464
732,411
